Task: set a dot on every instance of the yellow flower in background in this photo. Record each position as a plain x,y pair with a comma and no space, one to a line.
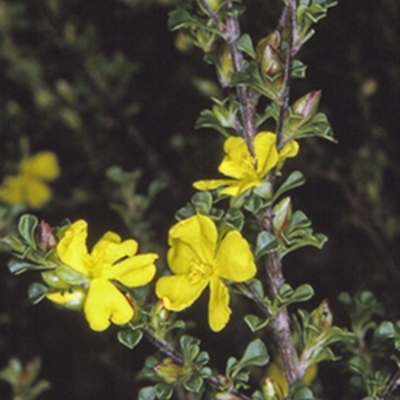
30,185
198,262
110,259
275,372
245,171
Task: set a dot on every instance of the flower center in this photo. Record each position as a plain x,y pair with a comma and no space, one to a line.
199,271
248,165
95,267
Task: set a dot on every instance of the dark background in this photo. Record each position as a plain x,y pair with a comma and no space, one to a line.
101,83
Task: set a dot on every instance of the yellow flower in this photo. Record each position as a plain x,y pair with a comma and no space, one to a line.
110,259
198,262
275,371
245,171
29,186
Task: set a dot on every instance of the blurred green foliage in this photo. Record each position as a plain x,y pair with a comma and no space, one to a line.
101,83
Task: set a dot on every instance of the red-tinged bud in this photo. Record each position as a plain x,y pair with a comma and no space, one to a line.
45,237
282,215
162,313
307,106
224,381
271,62
322,316
273,40
169,371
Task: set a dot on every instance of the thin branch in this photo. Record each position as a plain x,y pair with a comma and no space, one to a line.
273,263
231,33
166,348
392,385
290,19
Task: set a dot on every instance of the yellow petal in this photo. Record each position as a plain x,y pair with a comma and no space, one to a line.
266,152
178,291
234,260
237,163
290,149
218,305
135,271
35,193
72,248
212,184
239,187
42,165
105,303
191,239
110,248
72,299
11,190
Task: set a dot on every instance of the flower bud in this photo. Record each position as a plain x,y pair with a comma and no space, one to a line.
282,215
271,62
322,316
225,115
307,106
45,238
169,371
225,67
273,39
270,389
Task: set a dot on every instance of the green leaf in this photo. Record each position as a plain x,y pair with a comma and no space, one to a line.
295,179
190,348
17,266
202,358
37,292
245,44
256,354
234,218
299,69
13,243
299,220
194,383
258,287
254,204
266,243
255,323
386,329
163,391
359,365
26,227
147,393
130,338
202,202
303,293
207,119
257,395
299,391
178,19
185,212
